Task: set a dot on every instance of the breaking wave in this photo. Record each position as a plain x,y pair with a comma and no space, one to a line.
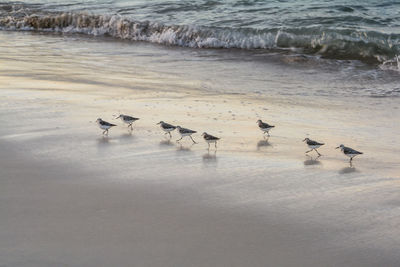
373,47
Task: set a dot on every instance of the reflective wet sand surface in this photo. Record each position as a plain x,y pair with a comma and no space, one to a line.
70,196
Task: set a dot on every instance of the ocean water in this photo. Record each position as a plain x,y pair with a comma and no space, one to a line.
367,30
358,41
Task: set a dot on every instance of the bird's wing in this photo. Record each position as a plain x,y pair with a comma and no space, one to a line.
211,137
126,117
107,123
314,143
265,125
348,150
167,125
185,130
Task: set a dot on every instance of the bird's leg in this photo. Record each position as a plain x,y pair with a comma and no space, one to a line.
130,125
107,132
170,136
215,144
179,139
309,151
104,132
194,142
208,146
317,152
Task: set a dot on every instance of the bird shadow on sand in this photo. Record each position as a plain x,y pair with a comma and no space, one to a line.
264,143
312,160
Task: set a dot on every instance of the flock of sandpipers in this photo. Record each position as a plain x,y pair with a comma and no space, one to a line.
264,127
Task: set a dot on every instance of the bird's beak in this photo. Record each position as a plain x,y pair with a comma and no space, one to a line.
118,117
337,147
157,123
304,140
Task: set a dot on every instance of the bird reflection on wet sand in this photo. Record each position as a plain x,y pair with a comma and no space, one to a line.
104,140
181,148
210,157
166,143
312,160
347,170
126,137
263,143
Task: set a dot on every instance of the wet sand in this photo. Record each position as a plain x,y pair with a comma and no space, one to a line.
71,197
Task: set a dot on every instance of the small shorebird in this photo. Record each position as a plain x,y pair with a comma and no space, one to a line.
313,145
127,119
351,153
265,127
167,128
104,125
185,132
210,139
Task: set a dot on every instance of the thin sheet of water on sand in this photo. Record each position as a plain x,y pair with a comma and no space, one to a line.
73,197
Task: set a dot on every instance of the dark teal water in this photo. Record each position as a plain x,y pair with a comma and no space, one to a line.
347,30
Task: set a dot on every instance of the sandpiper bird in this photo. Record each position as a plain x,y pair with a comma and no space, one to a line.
210,139
351,153
265,127
104,125
185,132
313,145
167,128
127,119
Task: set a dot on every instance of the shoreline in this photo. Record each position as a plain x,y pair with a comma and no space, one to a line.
225,113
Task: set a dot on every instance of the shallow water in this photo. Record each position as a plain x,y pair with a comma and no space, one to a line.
211,71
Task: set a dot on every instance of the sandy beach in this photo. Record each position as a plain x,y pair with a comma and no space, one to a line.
71,197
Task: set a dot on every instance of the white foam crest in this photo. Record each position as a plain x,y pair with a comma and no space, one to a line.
119,27
391,64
